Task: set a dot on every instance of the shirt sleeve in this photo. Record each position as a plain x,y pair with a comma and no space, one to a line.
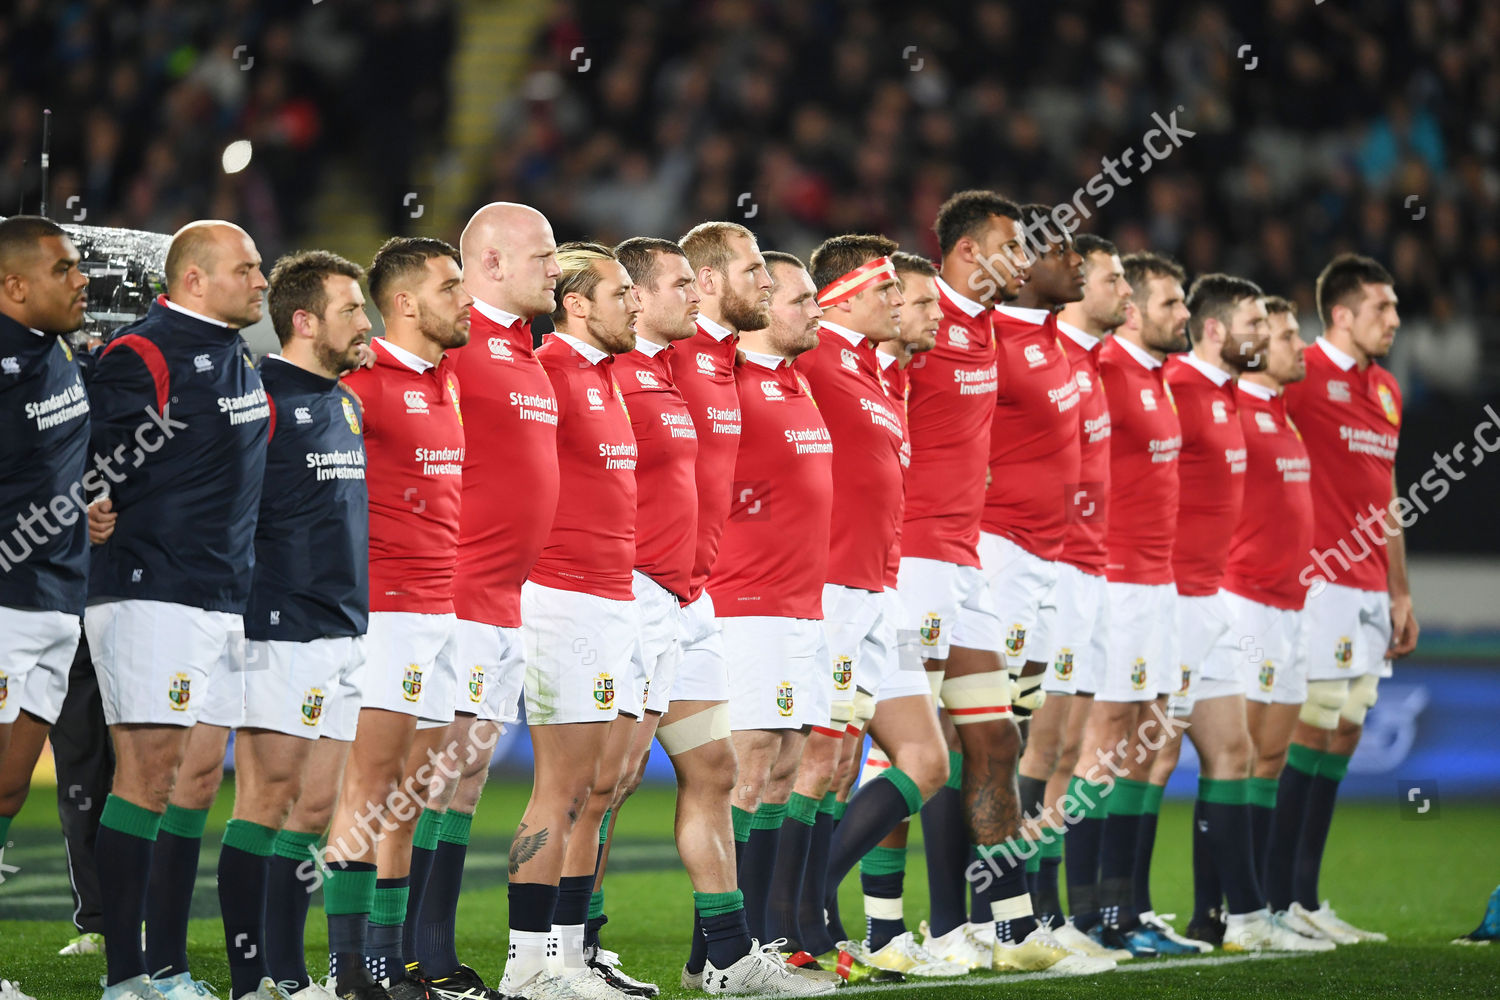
121,392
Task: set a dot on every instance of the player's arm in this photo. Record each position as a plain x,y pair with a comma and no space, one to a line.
124,394
1404,628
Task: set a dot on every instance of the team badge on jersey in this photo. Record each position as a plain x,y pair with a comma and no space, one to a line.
1343,652
849,359
1138,674
1148,400
1388,403
1267,676
499,349
932,627
1338,391
1015,640
476,684
453,391
843,673
411,683
350,416
1187,680
1220,412
1264,422
705,362
180,692
1034,356
771,389
1063,665
957,337
4,688
312,706
604,692
784,701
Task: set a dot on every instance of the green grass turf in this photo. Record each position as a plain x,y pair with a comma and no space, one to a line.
1423,882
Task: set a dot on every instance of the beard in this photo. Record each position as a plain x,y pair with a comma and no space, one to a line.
443,332
744,314
336,361
614,340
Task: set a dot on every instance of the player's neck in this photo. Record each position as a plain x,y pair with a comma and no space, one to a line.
580,333
896,349
1213,358
642,332
709,309
968,281
1026,299
495,298
759,342
1262,379
1073,315
1344,341
307,360
1134,337
412,340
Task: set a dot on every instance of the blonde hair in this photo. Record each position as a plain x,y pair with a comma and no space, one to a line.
579,273
707,244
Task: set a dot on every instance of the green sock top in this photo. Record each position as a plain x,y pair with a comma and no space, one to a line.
828,803
768,816
127,817
910,794
426,835
1233,792
1128,798
455,827
717,904
742,823
295,845
955,770
604,826
1304,759
1333,766
346,892
252,838
883,861
596,905
1085,799
802,809
1263,792
185,823
4,829
1151,806
390,905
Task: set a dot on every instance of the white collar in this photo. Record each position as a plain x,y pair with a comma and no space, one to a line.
886,360
495,314
1256,389
771,361
855,339
718,331
590,353
407,358
649,348
1082,338
1217,376
1338,357
1034,316
196,315
1146,358
963,302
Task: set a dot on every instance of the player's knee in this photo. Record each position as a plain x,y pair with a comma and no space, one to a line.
927,765
1269,763
1363,693
1325,702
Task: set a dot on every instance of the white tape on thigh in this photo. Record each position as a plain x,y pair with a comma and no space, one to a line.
977,697
864,708
1325,700
1363,694
875,764
687,734
935,679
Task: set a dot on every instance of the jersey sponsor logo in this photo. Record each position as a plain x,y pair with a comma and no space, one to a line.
476,684
247,407
843,673
1138,674
500,349
1034,356
958,337
1343,652
1237,459
1015,639
312,706
1085,383
932,627
1148,400
1388,403
10,366
1186,681
604,692
202,363
180,692
411,683
416,402
849,359
1265,423
1220,412
59,408
1063,665
350,417
648,380
303,415
596,398
772,389
1267,676
784,699
1338,391
705,363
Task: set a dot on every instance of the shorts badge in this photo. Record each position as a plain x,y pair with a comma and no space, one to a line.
1343,652
1187,679
1015,640
411,683
1063,666
4,688
932,627
784,698
180,692
604,692
476,685
843,673
1267,676
1138,674
312,707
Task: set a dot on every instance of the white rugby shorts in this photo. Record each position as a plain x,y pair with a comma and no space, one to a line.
1079,639
1348,632
1141,661
778,673
578,654
167,664
658,655
703,674
36,653
1264,645
952,605
307,689
410,666
1203,624
491,670
901,670
1023,590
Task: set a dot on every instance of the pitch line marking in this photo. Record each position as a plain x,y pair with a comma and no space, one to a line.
1149,965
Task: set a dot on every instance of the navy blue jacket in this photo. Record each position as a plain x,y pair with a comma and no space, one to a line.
179,428
44,445
312,563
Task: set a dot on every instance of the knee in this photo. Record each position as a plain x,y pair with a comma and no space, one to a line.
1268,763
198,790
1325,703
927,766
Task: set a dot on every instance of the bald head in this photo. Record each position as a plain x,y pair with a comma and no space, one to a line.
510,259
213,268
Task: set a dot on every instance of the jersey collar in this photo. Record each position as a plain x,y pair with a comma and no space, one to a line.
1338,357
495,314
1036,317
718,331
886,360
855,339
963,302
407,358
1082,338
772,361
649,348
1146,358
590,353
1256,389
195,315
1217,376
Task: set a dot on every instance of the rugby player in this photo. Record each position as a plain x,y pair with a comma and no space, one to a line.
1359,608
861,299
304,622
767,591
414,446
43,459
578,621
1119,742
511,436
176,400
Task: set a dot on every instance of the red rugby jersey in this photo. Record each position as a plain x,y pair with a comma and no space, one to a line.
1145,439
1088,501
893,376
774,557
950,401
1210,473
844,373
1351,421
591,547
666,522
703,370
414,450
1275,528
1034,451
513,429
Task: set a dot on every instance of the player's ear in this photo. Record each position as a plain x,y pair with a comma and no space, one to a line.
706,281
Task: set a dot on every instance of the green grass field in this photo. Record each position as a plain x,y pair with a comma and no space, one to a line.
1423,882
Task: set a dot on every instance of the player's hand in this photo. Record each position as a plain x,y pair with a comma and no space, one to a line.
366,356
102,519
1404,627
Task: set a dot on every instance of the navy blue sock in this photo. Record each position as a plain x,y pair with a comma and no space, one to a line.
698,950
1046,900
244,866
946,845
532,906
811,916
1116,868
790,871
1261,818
1286,825
1007,881
287,901
1145,845
979,906
435,946
420,875
1322,795
726,937
1081,849
573,892
384,954
123,853
1208,893
757,861
169,895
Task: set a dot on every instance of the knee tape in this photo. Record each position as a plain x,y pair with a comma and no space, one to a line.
977,697
935,681
1325,699
1363,694
864,708
1027,693
839,714
687,734
876,763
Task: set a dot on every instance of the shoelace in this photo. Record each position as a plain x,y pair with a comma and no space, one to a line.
286,986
